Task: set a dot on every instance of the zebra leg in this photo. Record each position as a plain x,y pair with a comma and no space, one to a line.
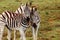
2,24
1,30
22,34
9,35
14,35
37,29
33,30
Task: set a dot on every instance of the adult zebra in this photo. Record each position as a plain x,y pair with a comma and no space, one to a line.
34,17
14,21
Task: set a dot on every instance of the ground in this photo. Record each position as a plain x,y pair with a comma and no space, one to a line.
49,11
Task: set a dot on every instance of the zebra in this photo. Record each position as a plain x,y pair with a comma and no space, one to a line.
35,21
34,16
14,21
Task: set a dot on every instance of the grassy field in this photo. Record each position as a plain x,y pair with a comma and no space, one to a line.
49,13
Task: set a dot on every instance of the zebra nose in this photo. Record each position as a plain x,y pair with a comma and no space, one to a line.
28,19
34,25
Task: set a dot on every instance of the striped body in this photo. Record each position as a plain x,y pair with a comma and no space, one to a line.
20,9
14,20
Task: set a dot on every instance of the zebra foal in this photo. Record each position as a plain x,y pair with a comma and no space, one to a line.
35,21
14,21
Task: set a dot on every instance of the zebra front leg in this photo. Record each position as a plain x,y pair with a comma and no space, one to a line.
37,30
9,35
1,29
22,34
33,31
14,35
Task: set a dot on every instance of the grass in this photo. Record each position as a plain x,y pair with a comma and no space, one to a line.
49,11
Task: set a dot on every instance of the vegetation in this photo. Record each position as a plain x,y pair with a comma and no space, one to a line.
49,11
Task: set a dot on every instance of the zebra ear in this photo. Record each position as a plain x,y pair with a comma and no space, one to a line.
34,9
31,11
30,3
27,4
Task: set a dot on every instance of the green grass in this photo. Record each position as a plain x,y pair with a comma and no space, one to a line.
49,13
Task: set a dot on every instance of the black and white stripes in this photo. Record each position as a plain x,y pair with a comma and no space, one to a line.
13,20
20,9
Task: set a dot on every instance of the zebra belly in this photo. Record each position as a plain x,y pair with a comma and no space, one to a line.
12,24
12,28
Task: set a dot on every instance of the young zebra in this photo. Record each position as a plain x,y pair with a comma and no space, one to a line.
35,21
14,21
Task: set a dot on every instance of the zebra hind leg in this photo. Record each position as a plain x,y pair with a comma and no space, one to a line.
1,31
9,35
2,24
14,35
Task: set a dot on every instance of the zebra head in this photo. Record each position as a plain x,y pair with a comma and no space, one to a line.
34,17
26,11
